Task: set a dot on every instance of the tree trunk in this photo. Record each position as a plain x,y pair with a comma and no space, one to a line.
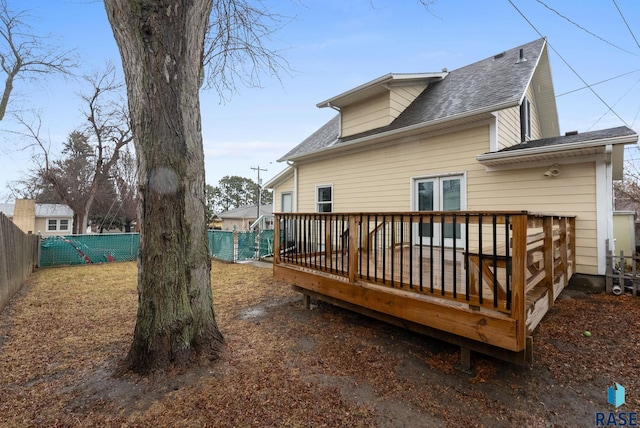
161,44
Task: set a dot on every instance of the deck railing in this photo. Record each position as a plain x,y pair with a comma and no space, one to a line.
484,259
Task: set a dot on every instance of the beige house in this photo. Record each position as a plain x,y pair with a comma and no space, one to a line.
43,219
242,218
484,137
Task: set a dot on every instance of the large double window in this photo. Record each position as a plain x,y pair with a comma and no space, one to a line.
445,193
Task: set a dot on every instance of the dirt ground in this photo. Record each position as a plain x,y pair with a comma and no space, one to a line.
62,337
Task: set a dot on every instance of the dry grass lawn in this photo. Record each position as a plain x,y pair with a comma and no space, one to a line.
62,337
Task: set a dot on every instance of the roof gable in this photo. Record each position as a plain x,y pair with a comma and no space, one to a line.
489,85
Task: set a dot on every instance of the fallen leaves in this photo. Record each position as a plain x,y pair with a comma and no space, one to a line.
62,337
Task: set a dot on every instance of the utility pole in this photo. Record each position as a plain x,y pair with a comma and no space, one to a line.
257,168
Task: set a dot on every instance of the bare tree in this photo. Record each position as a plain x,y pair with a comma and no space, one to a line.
25,55
161,44
83,170
125,177
236,50
627,190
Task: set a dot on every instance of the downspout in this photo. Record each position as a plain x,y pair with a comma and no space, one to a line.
609,173
294,197
604,208
339,118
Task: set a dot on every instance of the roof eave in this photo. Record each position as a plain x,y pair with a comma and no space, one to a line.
280,177
372,86
514,156
402,130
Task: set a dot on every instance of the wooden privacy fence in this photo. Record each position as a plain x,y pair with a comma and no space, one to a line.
486,276
18,258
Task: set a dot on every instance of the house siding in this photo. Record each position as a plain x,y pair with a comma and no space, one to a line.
573,192
542,85
284,187
366,115
380,180
508,127
509,123
379,110
402,96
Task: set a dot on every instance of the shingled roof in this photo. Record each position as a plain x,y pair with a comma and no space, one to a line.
494,83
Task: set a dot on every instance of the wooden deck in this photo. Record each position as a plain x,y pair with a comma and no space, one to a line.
483,280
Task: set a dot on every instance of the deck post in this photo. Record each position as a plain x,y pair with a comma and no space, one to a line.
465,359
518,277
276,239
306,300
549,275
353,248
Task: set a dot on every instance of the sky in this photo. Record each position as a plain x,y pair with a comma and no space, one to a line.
332,46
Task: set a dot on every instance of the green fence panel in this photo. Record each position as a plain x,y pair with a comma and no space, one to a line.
266,243
103,248
82,249
246,245
221,243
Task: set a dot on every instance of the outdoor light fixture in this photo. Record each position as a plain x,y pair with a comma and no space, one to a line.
553,171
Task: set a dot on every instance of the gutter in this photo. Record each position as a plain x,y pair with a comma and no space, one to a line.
627,139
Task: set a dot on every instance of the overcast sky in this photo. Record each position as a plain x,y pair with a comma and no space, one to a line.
334,45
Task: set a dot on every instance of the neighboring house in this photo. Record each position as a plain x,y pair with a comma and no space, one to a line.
484,137
243,217
44,219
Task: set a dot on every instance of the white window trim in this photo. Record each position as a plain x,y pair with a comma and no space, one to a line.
463,194
58,228
282,195
315,197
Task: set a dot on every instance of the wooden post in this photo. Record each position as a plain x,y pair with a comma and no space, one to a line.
465,359
306,300
353,248
549,274
518,277
564,253
276,239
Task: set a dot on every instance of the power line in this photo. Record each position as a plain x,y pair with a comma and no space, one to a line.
585,30
626,23
598,83
619,99
567,64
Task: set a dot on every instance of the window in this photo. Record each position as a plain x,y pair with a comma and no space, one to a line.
55,225
445,193
324,199
286,205
525,120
